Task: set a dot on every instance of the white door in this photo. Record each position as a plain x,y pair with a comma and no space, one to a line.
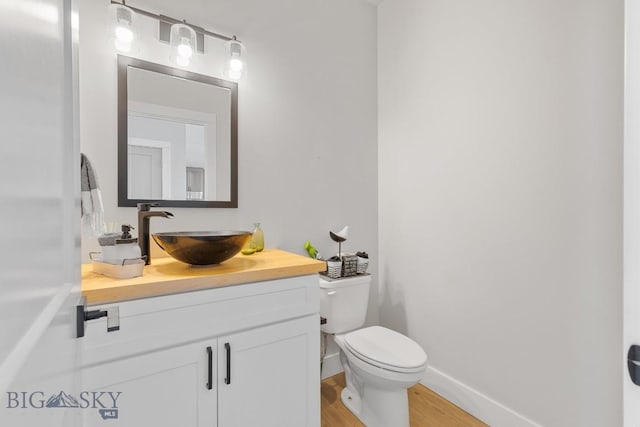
145,172
632,212
269,376
39,217
165,388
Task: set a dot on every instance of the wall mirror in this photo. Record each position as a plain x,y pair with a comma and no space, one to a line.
177,137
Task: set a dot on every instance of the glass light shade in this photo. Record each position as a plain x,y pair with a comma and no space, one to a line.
123,34
183,44
236,65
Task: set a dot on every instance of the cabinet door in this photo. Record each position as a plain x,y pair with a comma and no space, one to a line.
168,388
270,376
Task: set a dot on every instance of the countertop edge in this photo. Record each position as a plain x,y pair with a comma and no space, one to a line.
113,291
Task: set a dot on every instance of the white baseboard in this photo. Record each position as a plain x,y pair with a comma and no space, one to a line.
477,404
331,365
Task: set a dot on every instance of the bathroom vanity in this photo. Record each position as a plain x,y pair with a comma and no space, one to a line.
235,344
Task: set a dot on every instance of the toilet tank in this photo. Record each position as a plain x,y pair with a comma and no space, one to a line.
343,302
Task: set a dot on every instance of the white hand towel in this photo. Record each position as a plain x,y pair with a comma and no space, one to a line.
91,198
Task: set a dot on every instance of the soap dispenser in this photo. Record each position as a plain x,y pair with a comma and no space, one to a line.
119,247
127,245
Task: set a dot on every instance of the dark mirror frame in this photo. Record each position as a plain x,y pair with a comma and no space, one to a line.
124,62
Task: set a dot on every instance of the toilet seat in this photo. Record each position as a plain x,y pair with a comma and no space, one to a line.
386,349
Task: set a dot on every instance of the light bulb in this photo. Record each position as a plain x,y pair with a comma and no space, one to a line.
123,27
184,50
123,34
183,43
236,64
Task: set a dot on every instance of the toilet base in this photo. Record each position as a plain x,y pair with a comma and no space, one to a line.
351,401
379,408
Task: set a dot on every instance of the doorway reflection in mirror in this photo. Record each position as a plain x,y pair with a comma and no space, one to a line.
160,147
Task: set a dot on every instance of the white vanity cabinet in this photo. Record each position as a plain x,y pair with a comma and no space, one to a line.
243,355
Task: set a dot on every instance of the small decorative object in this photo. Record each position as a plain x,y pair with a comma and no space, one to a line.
339,237
349,265
363,262
334,267
313,252
249,248
258,237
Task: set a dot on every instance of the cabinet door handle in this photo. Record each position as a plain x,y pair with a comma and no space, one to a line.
227,347
210,373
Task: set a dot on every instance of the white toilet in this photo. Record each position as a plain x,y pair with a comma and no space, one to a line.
379,364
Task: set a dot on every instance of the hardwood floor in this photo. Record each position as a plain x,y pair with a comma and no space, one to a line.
426,408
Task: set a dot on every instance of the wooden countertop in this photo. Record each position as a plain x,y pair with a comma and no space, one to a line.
166,276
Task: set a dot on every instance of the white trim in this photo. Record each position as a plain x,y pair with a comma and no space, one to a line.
477,404
472,401
12,365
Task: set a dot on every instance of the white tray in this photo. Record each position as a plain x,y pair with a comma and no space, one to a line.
130,268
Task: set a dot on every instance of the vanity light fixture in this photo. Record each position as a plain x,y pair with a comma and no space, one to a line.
123,28
183,44
185,39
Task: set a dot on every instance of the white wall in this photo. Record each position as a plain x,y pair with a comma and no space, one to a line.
500,169
307,116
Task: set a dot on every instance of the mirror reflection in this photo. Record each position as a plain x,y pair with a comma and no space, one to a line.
180,140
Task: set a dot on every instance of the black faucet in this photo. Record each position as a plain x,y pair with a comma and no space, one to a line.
144,213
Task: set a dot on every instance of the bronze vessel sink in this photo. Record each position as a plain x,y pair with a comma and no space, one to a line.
202,247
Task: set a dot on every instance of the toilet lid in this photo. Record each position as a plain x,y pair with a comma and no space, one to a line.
386,349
